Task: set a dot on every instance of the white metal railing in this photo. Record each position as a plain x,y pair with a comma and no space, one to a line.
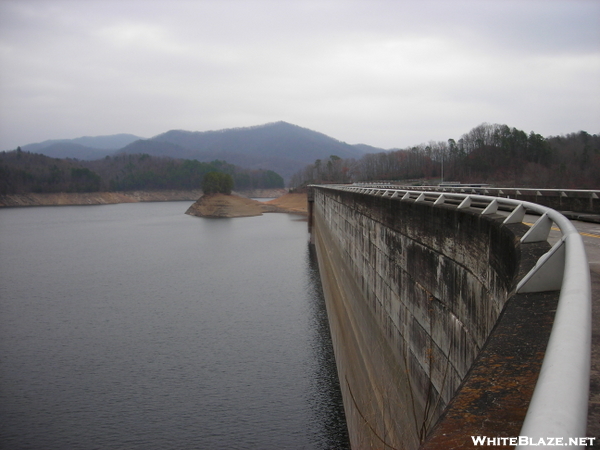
559,404
592,194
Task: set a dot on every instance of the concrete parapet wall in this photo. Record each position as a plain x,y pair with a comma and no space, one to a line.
413,292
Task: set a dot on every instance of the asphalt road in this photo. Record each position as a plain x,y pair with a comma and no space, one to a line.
590,233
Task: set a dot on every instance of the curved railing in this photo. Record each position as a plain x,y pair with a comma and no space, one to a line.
509,192
559,404
583,200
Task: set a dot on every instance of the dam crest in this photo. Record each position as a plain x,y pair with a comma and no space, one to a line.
442,313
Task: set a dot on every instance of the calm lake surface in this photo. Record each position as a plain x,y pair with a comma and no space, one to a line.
135,326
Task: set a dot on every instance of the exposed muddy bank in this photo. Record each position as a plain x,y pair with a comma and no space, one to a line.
106,198
96,198
221,205
290,203
238,205
261,193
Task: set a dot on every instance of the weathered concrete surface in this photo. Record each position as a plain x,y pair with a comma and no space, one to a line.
413,293
494,397
373,380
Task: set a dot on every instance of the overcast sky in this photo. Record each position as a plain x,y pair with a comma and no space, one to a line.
388,73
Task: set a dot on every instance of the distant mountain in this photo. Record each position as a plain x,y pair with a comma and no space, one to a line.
280,146
85,148
69,150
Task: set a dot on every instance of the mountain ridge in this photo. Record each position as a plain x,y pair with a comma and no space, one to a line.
279,146
96,143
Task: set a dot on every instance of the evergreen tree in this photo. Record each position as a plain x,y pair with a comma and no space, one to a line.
217,182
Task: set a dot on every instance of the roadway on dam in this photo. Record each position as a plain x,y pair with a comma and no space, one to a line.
590,233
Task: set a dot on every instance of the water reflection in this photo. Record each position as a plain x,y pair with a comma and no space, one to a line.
138,327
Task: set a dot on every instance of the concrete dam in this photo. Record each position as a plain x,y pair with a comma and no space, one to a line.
441,309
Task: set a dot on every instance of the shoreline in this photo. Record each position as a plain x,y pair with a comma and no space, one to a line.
95,198
283,202
109,198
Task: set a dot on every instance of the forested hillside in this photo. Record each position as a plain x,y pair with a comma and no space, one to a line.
22,172
281,147
278,146
493,154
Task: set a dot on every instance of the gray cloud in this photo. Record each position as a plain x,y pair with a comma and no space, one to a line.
386,73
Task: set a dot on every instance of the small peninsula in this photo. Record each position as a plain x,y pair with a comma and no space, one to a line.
224,205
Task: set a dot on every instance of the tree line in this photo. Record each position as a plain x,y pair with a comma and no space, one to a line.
489,153
22,172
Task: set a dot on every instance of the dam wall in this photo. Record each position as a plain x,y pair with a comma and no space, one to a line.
413,291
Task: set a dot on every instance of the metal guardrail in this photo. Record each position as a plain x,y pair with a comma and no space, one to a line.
514,193
559,404
578,201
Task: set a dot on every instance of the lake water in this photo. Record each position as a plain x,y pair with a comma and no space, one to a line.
135,326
